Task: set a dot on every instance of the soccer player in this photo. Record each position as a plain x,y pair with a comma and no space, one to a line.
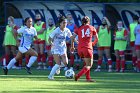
9,39
50,29
28,33
120,46
104,43
132,40
137,44
85,46
71,26
58,45
40,45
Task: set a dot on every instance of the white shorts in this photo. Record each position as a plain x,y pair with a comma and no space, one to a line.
23,49
59,51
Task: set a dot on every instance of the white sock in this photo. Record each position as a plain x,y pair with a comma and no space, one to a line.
11,63
110,66
31,61
53,71
99,67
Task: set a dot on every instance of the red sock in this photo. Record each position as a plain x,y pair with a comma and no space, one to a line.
7,59
27,58
88,75
134,59
123,64
99,62
138,64
43,57
71,60
50,59
20,62
109,62
82,72
84,64
39,57
118,64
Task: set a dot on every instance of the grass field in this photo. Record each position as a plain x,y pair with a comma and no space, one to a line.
18,81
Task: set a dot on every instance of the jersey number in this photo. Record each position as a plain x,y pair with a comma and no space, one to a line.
87,33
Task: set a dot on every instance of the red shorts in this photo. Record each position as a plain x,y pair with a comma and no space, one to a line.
48,47
103,48
137,47
132,44
85,53
39,42
121,53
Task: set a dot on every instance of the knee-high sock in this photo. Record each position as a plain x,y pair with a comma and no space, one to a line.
20,62
88,75
11,63
43,58
71,60
99,62
7,58
27,59
138,64
117,64
31,61
123,64
82,72
50,60
39,57
53,71
134,59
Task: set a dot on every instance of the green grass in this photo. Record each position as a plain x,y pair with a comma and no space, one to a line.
18,81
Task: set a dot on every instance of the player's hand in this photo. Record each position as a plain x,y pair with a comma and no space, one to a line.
17,43
72,50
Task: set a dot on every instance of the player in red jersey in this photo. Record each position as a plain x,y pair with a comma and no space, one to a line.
85,46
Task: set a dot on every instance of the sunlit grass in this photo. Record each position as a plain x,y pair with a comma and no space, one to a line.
18,81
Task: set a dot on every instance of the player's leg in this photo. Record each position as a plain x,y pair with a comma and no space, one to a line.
108,55
7,53
43,56
55,67
100,58
32,59
50,57
138,57
117,60
134,58
12,62
36,47
122,56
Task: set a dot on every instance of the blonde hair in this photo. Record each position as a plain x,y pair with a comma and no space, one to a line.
12,18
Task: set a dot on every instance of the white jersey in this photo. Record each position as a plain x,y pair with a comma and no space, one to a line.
59,38
27,36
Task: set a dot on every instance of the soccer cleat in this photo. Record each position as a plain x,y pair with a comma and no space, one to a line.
39,67
5,70
110,70
89,80
58,71
117,70
50,77
122,70
44,67
28,70
97,70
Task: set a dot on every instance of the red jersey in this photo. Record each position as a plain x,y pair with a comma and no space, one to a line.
85,34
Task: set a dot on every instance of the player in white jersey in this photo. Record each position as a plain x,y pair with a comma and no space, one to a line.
58,41
28,33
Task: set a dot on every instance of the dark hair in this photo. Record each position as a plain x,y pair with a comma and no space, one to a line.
61,19
26,19
135,17
85,20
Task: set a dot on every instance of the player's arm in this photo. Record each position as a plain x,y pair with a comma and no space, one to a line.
72,42
95,35
42,30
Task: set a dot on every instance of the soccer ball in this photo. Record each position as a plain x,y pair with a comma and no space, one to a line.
69,74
